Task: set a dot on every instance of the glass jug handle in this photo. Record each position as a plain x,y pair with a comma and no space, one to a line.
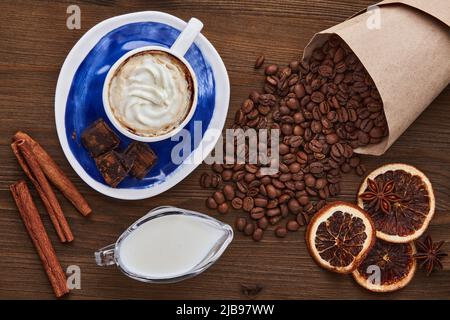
105,256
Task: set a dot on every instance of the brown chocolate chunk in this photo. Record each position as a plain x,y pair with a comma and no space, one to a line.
113,167
98,138
143,156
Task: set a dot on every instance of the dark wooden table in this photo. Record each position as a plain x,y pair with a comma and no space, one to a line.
34,41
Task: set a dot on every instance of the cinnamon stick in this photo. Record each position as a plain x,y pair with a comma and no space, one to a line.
31,167
56,175
36,231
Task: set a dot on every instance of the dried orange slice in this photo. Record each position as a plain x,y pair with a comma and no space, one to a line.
400,200
339,236
387,267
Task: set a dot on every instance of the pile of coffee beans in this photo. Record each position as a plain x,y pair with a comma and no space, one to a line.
324,108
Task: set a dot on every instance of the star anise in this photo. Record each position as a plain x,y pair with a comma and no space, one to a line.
380,194
430,254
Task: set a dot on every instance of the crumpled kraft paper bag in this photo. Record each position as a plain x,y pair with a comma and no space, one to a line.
408,57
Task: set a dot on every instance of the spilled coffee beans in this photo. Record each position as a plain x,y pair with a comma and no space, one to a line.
324,108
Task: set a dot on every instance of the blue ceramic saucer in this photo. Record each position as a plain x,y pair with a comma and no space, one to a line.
78,99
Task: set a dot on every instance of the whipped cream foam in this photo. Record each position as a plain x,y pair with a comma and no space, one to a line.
151,93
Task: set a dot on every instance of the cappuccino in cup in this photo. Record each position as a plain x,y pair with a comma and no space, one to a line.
151,93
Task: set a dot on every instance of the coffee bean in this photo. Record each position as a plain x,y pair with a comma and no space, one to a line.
311,191
309,208
284,210
321,183
360,87
228,192
205,180
298,131
332,138
258,234
272,80
292,225
306,217
339,55
239,117
263,223
273,212
360,170
240,224
290,185
299,90
238,175
251,168
301,157
316,126
295,141
337,150
254,183
348,151
352,115
363,138
294,167
253,123
260,202
259,61
285,177
308,135
354,162
271,69
219,197
286,129
326,71
316,167
223,208
298,176
310,181
242,187
254,96
248,204
211,203
303,200
257,213
317,97
275,220
283,198
376,132
293,104
249,177
236,203
249,229
281,232
320,204
271,191
299,185
283,149
367,125
294,205
272,204
262,188
227,175
247,106
253,192
295,66
300,219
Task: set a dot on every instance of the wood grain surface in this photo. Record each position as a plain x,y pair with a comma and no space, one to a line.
34,42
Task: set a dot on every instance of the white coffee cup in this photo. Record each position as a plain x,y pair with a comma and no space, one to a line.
177,50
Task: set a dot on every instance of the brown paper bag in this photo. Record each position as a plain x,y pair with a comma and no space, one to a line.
408,57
